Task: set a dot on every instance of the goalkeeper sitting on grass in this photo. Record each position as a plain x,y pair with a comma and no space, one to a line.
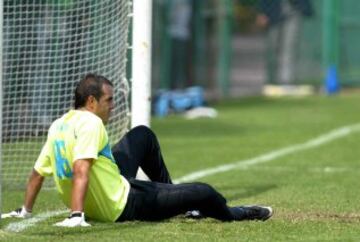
99,183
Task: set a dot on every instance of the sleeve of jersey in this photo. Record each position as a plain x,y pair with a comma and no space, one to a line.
43,164
89,138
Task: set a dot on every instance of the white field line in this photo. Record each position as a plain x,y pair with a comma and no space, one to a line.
325,138
326,169
25,223
330,136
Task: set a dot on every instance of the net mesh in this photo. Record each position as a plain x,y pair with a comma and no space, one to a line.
48,46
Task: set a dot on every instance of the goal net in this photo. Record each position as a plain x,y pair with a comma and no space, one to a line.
48,45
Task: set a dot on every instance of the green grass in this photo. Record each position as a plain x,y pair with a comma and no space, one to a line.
314,192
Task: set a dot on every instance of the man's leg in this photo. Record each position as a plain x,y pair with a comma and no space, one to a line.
140,148
156,201
173,200
152,201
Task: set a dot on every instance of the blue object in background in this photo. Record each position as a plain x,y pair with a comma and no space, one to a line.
331,80
162,103
196,94
178,101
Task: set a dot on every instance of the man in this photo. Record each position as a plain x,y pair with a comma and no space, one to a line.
87,173
282,20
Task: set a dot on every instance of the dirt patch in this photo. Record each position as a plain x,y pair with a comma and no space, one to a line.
319,216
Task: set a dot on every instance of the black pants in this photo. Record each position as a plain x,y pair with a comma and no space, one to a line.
160,199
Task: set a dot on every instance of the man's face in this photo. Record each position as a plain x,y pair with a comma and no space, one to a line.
103,107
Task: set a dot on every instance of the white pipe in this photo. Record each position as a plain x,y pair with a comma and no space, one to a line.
1,94
141,63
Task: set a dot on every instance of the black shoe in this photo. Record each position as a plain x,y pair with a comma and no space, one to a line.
256,212
194,214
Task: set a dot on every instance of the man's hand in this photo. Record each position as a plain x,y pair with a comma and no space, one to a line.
74,220
17,213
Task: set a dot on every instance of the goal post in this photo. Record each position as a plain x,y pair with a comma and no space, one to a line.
47,47
141,63
1,98
141,67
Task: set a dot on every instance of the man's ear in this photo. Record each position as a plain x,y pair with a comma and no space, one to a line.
90,101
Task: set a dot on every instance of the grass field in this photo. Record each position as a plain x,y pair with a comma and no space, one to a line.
313,190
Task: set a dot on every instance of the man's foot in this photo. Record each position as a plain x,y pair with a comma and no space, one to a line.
253,212
194,214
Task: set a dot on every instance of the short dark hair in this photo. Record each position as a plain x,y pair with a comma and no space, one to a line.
90,85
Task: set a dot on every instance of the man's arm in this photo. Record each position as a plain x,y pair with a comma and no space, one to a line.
33,187
81,172
32,190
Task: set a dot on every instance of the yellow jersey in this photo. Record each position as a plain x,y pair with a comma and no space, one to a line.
82,135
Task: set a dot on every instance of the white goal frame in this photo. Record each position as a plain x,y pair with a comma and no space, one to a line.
140,79
1,97
141,63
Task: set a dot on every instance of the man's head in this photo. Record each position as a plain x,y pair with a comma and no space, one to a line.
95,94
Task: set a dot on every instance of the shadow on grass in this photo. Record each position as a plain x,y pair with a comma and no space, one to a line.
232,192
